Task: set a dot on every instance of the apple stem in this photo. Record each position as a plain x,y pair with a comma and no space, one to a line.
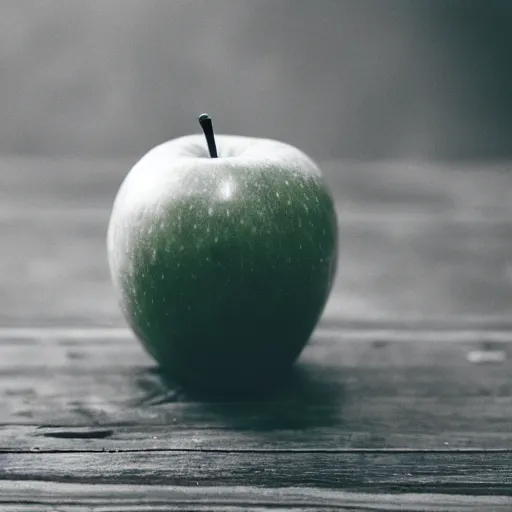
206,124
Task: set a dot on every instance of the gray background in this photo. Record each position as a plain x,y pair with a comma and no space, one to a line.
338,78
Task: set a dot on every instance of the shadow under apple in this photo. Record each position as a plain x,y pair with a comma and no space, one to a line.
307,395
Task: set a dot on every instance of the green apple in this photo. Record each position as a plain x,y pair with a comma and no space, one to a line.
223,263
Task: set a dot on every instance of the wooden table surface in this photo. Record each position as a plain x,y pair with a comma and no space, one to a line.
401,401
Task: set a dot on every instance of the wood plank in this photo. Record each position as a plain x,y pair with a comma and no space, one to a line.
345,393
477,473
23,496
172,437
404,384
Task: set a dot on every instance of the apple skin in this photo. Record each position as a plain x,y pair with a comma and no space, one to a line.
223,266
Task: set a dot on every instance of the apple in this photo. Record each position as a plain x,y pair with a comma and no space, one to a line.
223,263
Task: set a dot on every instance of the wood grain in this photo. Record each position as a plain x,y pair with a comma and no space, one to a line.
477,473
38,496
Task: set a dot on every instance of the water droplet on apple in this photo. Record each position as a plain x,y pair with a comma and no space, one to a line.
277,194
195,226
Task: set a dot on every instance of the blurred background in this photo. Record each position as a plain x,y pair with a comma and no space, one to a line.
338,78
406,104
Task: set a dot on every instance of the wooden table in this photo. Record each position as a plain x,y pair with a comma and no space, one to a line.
402,400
